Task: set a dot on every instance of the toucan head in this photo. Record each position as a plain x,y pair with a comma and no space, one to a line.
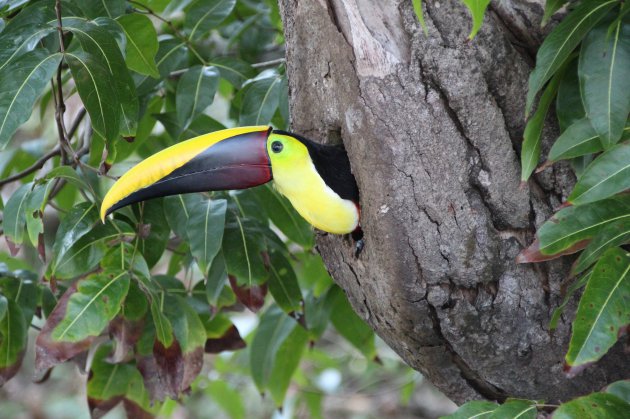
236,158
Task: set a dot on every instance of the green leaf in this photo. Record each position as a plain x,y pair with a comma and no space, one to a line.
86,253
163,328
195,92
227,398
576,285
109,382
312,273
286,362
521,409
350,325
155,5
145,126
136,304
34,211
49,301
126,257
188,328
98,41
603,310
217,326
69,174
90,309
172,54
217,280
417,8
142,44
13,337
26,294
620,389
533,130
612,235
477,409
171,125
205,231
593,406
284,216
14,215
477,9
242,248
317,312
177,211
3,306
94,84
21,83
260,99
569,106
203,15
201,125
283,284
152,245
559,44
570,228
7,6
603,70
551,7
98,8
234,70
273,331
579,139
78,222
24,31
607,175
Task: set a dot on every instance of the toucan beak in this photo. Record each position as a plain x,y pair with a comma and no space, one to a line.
233,158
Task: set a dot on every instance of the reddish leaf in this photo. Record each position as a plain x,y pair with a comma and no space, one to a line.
13,248
125,333
533,254
251,297
41,247
99,408
193,362
8,372
164,371
230,341
49,353
134,411
148,369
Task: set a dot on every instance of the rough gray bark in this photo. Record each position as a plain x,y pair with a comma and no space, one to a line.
433,127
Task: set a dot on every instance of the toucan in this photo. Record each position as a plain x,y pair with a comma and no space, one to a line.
316,178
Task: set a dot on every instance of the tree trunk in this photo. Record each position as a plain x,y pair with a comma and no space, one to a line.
433,127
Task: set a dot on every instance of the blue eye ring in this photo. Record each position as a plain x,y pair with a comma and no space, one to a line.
277,146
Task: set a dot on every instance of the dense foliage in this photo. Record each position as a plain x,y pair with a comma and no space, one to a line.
583,66
153,288
585,63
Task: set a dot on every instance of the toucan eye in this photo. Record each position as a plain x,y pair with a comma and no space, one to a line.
276,146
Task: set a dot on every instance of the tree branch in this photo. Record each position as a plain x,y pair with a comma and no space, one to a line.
75,124
262,64
60,106
269,63
34,167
